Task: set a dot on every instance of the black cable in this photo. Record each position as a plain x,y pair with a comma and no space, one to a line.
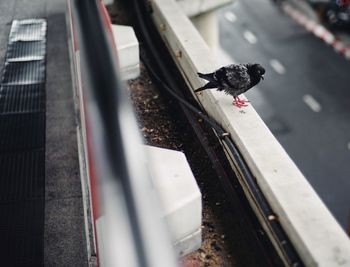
220,131
269,216
145,25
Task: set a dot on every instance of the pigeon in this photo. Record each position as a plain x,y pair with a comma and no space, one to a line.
234,80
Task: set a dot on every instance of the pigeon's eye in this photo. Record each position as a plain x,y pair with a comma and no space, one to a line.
261,72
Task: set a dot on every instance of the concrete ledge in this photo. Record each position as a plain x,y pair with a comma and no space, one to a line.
316,235
189,243
179,195
81,140
128,51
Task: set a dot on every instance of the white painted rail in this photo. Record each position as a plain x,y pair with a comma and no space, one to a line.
316,235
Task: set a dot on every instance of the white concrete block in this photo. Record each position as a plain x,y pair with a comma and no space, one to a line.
128,51
179,195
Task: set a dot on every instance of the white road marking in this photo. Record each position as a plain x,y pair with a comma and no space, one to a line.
329,38
312,103
302,20
349,145
338,46
310,25
319,31
250,37
277,66
347,54
230,16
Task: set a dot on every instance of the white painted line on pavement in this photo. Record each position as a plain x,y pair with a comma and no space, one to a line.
312,103
319,31
230,16
310,25
250,37
329,38
302,20
339,46
349,145
277,66
347,54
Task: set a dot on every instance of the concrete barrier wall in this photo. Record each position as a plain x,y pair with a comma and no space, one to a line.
316,235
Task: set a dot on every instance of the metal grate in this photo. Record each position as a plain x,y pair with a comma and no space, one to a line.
20,132
21,231
22,98
24,72
26,51
28,30
22,145
23,183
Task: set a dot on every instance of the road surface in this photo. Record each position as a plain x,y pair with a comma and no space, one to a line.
305,98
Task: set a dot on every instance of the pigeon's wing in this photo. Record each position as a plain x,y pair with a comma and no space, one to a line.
237,77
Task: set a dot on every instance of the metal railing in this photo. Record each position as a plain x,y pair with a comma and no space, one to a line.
127,220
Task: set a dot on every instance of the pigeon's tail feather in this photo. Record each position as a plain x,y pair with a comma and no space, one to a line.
208,76
209,85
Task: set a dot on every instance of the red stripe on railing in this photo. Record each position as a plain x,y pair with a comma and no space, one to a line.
318,30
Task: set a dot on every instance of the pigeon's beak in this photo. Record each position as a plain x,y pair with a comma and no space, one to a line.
262,77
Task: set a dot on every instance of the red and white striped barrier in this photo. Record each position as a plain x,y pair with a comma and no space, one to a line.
318,30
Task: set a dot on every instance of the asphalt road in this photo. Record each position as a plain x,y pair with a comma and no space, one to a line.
305,98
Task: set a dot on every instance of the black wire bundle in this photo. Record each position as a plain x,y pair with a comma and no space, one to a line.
166,80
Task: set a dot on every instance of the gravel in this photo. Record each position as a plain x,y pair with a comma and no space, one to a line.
161,124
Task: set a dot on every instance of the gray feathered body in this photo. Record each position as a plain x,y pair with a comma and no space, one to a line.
233,79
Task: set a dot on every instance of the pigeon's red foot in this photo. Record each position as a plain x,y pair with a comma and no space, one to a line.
239,102
243,101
